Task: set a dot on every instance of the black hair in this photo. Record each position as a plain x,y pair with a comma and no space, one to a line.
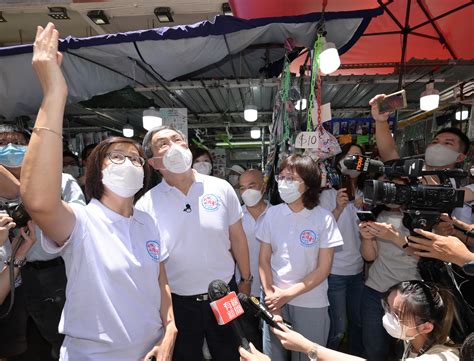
462,137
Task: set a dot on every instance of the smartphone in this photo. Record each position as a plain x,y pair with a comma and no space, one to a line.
366,216
347,183
393,102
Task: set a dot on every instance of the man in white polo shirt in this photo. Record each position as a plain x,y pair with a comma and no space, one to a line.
252,188
199,219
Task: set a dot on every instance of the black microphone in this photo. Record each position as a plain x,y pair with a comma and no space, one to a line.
218,289
364,164
253,305
187,208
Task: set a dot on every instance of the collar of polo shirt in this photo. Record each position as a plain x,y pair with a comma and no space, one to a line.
109,216
166,187
305,212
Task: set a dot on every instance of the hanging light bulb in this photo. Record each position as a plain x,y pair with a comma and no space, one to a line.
250,113
329,60
151,118
301,104
255,133
128,131
461,114
429,99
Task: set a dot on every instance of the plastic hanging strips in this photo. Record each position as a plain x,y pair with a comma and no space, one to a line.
284,99
314,73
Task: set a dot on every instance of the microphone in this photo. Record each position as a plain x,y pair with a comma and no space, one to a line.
187,208
226,308
364,164
253,305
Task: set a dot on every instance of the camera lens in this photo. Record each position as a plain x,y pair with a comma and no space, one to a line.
378,192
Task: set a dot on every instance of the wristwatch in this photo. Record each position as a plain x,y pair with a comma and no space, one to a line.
248,280
313,353
16,262
468,268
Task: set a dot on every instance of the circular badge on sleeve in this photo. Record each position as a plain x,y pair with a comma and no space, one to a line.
153,249
308,238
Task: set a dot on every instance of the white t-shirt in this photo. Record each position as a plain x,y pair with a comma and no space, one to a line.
437,353
113,298
295,239
392,264
250,226
196,237
347,258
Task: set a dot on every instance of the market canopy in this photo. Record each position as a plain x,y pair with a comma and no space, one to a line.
228,47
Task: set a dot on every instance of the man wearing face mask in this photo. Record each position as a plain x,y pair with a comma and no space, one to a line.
200,224
252,188
43,276
448,147
71,164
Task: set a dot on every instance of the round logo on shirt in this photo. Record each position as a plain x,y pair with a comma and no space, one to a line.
308,238
210,202
153,248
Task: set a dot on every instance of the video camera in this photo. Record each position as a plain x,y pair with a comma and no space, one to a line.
423,204
17,211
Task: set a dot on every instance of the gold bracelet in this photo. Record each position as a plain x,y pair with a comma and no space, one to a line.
35,129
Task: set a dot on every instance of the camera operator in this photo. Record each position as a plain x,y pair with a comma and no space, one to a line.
448,147
43,276
383,242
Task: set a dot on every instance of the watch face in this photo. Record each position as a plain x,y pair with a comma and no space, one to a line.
312,355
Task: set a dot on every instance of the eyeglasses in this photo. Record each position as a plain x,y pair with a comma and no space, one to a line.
119,158
288,178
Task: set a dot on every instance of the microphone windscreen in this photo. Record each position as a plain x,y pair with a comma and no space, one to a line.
217,289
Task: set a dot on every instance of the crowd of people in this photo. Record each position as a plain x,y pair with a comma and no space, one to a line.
122,272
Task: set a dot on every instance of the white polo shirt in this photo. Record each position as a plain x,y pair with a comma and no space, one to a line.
113,298
197,239
347,258
250,226
295,239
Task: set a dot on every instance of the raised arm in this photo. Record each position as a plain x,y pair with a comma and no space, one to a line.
383,137
41,171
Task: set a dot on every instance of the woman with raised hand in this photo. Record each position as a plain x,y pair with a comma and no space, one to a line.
118,303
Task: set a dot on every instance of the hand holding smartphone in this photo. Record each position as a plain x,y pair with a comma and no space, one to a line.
392,102
366,216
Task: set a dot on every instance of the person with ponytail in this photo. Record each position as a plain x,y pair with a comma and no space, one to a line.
420,314
297,240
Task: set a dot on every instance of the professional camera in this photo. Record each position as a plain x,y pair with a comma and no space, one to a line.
17,211
423,204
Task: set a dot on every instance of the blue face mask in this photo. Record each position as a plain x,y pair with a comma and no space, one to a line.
11,155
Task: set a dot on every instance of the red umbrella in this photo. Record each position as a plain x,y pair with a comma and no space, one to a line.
408,29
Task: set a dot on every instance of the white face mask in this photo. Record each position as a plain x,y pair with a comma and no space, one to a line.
178,159
123,179
234,179
289,191
349,172
203,167
438,155
72,170
251,197
395,329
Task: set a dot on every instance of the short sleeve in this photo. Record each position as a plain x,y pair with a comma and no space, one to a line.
234,210
463,213
263,233
327,199
76,236
71,191
330,235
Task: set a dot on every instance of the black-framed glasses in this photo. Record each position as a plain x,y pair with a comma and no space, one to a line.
119,158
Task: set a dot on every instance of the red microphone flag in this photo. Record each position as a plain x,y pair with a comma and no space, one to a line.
227,308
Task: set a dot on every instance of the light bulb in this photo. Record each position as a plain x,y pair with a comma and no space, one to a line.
128,131
151,118
329,60
255,133
461,114
429,99
301,104
250,113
